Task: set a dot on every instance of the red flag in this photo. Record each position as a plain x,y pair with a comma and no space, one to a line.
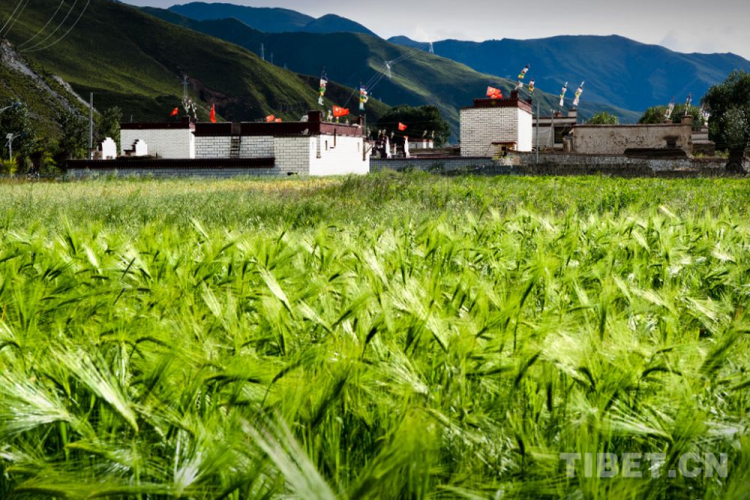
338,111
278,120
213,113
402,127
270,118
494,93
175,112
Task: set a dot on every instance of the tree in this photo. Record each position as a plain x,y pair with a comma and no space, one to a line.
418,121
729,104
604,118
17,121
74,140
657,114
109,124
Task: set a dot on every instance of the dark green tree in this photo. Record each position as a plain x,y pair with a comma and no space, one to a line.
17,121
729,104
657,114
74,139
109,124
604,118
418,121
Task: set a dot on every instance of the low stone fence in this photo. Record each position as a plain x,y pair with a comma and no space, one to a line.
438,164
558,164
229,167
618,162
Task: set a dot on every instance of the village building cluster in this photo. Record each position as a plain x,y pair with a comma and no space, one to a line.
491,128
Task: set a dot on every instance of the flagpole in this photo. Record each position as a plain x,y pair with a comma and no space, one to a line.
91,126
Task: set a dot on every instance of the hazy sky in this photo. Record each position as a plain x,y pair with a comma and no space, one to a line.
685,25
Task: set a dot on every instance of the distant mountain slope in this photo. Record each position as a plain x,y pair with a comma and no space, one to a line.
136,61
47,96
617,70
270,20
332,23
349,58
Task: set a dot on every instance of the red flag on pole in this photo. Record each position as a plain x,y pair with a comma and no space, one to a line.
494,93
270,118
338,111
402,127
175,112
213,113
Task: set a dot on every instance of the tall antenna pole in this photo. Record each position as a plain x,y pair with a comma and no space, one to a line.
91,126
263,51
538,112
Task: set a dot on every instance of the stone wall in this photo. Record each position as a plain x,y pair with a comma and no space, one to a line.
76,173
615,139
213,147
293,154
256,146
557,164
480,127
444,164
593,162
164,143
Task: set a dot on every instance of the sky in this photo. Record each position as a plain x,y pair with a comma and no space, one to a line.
704,26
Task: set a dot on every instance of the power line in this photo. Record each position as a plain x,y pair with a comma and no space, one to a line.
12,14
18,16
67,32
44,27
70,11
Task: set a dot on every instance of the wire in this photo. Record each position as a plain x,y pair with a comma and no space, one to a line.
70,11
44,27
12,14
18,16
67,32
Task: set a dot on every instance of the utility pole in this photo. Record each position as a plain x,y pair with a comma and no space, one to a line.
538,111
91,126
10,138
263,51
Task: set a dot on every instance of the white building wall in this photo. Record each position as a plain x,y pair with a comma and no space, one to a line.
164,143
212,147
256,147
480,127
525,131
346,157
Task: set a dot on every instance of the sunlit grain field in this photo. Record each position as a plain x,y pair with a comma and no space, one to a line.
379,337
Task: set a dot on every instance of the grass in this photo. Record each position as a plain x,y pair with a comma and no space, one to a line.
381,337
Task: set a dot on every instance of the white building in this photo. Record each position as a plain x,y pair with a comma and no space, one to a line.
492,125
165,140
312,147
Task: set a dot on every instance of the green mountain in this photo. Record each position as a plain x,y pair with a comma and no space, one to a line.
270,20
136,61
417,77
47,96
617,70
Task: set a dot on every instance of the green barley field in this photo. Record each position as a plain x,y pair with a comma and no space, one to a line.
383,337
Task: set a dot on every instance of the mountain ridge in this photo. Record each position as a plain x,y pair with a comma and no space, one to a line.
418,78
270,19
628,73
